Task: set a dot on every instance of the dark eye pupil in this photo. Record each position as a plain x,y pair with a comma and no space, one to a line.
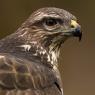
51,22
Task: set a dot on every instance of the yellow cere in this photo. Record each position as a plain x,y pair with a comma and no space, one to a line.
74,23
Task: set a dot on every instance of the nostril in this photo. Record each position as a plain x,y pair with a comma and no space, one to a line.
72,26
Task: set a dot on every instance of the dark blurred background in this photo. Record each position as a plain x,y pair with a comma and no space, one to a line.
77,59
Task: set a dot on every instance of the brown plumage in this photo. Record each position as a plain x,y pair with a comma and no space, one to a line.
28,57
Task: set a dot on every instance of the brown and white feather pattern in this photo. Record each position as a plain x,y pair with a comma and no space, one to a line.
23,77
28,57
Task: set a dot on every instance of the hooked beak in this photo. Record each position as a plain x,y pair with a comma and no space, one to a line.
76,31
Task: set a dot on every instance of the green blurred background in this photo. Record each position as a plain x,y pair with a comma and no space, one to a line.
77,59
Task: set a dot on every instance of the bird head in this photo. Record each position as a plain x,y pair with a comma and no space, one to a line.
52,26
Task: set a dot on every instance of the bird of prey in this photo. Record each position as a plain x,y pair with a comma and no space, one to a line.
28,57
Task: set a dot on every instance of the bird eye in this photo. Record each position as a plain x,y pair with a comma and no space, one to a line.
51,22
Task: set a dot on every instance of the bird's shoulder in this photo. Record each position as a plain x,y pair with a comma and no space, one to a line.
21,73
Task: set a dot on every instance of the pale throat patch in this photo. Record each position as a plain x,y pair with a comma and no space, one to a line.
52,55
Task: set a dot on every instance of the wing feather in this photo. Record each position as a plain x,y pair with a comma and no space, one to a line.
19,76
